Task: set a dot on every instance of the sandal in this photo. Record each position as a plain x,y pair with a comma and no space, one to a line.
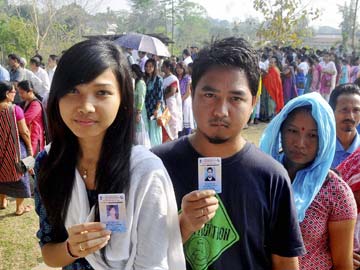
23,210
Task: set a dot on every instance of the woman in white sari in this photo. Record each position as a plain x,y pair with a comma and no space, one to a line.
173,100
185,90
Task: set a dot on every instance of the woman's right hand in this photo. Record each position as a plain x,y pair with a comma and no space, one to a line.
87,238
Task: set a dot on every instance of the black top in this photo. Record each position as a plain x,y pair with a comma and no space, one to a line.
256,215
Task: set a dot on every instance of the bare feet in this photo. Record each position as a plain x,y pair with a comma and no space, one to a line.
23,209
3,204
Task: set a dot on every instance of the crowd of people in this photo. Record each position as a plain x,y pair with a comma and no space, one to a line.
292,204
289,72
24,92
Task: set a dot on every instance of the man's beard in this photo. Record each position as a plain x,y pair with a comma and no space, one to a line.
216,140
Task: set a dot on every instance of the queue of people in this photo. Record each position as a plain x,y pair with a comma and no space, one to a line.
283,206
289,72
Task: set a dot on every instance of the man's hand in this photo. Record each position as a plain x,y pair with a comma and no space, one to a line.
198,207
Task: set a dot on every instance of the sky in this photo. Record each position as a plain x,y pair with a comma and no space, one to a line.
241,9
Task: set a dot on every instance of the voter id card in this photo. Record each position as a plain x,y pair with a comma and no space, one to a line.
209,173
113,211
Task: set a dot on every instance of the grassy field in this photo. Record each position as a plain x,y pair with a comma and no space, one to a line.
19,249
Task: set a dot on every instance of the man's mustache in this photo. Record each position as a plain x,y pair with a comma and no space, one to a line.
219,121
349,121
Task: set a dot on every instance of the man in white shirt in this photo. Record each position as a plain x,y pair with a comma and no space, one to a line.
35,80
187,57
40,72
51,66
304,66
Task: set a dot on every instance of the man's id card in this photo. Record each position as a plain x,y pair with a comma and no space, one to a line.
209,173
113,211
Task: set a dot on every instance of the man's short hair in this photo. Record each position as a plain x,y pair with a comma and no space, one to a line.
23,61
229,52
14,56
54,57
186,52
343,89
210,169
36,61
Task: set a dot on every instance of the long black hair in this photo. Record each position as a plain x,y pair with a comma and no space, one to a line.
28,86
81,64
137,70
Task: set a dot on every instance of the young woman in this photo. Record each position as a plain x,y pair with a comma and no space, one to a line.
18,189
91,113
142,124
316,74
289,80
173,102
185,90
302,138
153,100
33,112
273,84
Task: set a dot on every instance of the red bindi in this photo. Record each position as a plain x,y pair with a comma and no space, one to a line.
302,129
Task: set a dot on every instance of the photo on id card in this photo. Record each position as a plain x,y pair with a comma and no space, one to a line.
113,211
209,173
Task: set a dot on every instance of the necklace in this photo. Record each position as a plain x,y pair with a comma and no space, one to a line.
84,174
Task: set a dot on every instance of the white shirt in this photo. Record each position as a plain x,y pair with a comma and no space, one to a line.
44,77
51,72
304,67
188,60
37,83
152,240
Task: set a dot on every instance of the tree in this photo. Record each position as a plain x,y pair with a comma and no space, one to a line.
345,25
282,20
16,35
349,24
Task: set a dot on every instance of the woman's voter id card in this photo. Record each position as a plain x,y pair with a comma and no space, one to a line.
113,211
209,173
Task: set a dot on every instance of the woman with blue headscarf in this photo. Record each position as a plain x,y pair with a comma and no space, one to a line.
302,137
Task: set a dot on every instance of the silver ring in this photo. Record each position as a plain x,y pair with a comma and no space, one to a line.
81,248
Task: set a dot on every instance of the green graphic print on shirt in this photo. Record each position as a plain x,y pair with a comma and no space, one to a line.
207,244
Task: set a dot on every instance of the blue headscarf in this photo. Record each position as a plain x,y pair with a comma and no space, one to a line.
309,180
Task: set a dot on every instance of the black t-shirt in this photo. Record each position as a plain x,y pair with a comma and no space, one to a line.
256,215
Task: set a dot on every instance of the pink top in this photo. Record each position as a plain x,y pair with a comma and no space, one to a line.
334,202
34,121
316,74
19,113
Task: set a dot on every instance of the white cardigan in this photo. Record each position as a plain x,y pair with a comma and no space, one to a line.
153,239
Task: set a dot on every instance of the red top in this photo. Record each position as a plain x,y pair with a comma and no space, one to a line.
34,121
273,84
334,202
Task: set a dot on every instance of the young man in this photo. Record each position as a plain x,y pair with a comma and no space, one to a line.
252,223
51,66
345,102
35,66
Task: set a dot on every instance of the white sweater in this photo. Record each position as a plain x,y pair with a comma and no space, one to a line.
153,239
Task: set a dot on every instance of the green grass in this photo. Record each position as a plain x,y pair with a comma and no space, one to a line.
19,249
253,133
